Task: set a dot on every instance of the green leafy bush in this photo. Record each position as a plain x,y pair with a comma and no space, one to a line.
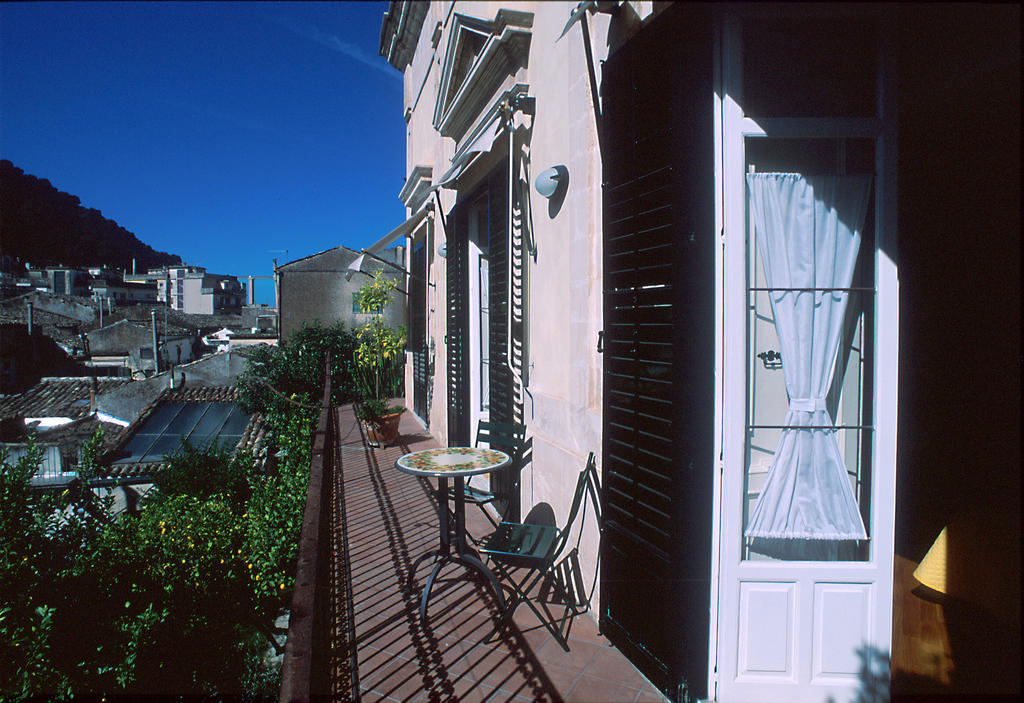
274,515
178,604
43,535
181,598
203,472
294,370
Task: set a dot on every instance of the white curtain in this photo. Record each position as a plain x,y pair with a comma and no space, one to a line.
808,233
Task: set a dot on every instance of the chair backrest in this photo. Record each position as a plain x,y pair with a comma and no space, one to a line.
588,484
510,437
501,434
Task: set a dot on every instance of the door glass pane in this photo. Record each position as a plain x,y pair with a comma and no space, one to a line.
485,351
848,400
478,290
809,67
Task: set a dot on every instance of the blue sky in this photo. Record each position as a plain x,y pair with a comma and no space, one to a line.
216,131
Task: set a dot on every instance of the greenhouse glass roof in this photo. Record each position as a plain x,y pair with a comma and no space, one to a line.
171,424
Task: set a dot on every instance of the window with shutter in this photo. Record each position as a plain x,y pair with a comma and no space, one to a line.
480,383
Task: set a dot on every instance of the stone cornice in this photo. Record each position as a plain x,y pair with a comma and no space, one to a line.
416,187
505,49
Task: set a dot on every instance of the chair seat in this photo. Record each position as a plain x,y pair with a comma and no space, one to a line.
472,494
517,543
536,549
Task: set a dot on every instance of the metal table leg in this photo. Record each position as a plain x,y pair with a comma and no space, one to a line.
463,553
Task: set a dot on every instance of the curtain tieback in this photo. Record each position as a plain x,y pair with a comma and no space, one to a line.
807,405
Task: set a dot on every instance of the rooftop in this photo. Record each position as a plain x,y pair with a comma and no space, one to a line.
200,414
58,397
58,327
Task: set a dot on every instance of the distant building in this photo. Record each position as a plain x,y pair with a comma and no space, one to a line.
315,288
67,281
129,345
125,404
121,293
40,335
41,300
26,357
59,413
153,276
239,341
219,339
259,318
209,293
192,289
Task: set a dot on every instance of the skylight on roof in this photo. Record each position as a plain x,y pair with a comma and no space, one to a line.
172,424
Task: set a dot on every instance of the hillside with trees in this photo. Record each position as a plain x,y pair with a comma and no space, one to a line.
45,226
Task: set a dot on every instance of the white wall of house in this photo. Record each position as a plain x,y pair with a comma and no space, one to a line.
829,605
178,350
195,300
562,406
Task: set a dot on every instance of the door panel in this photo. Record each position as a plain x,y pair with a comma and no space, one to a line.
766,637
842,623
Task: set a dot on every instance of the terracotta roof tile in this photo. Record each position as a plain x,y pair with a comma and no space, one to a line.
76,433
57,397
201,394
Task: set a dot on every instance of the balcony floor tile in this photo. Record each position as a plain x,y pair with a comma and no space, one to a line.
390,521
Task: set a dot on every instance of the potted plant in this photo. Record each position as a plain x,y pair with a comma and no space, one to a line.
379,361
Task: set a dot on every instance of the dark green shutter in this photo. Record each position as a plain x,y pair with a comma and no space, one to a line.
418,328
503,406
658,408
457,285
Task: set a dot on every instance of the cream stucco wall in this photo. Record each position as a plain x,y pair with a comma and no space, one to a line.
562,407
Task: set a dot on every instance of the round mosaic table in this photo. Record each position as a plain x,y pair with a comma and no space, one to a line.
443,464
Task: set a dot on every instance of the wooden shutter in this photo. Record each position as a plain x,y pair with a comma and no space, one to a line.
418,328
503,406
457,286
658,408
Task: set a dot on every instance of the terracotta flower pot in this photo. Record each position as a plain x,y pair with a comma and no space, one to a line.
383,430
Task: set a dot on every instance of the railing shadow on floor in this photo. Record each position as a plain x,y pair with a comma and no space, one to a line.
320,617
403,509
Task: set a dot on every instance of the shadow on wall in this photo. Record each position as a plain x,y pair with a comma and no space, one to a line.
986,665
972,573
874,676
978,641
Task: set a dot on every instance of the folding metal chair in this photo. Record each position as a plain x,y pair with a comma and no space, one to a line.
539,550
510,438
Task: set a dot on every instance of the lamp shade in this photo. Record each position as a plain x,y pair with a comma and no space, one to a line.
931,572
549,181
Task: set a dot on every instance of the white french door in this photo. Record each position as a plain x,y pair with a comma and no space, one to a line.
802,618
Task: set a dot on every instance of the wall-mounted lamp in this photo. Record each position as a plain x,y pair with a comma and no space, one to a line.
552,180
553,185
442,250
